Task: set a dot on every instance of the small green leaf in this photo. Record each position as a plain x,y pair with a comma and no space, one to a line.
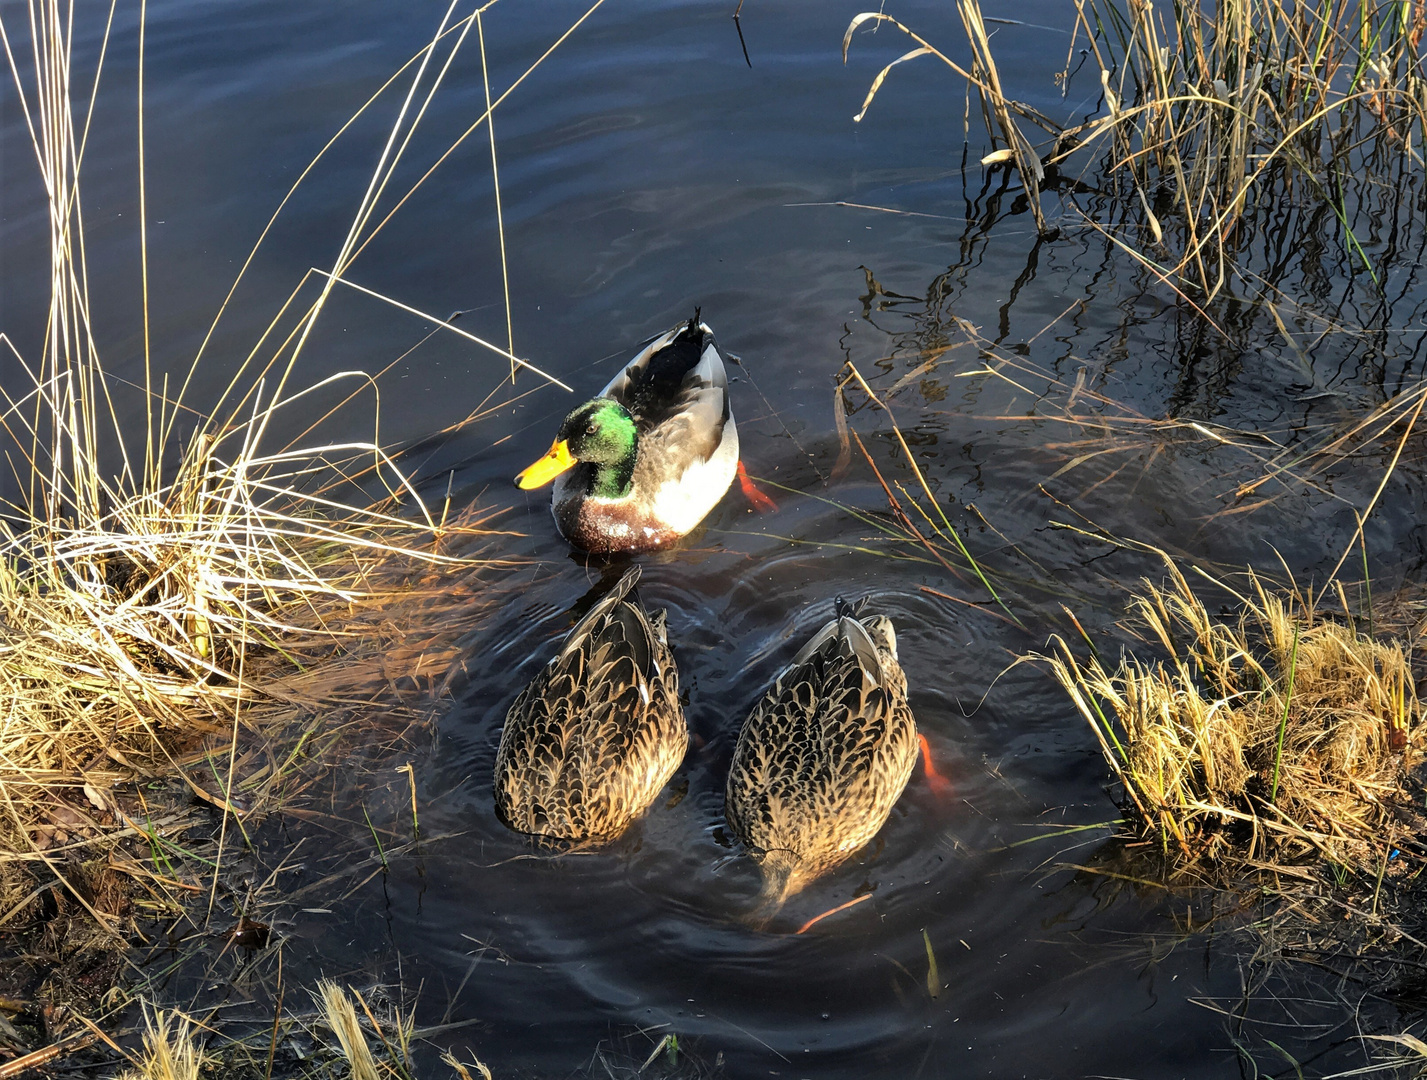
933,977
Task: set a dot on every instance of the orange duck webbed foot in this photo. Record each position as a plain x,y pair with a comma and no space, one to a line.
940,785
758,499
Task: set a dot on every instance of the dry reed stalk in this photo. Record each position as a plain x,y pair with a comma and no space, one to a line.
1209,113
997,109
942,541
341,1016
1028,162
462,1071
337,1012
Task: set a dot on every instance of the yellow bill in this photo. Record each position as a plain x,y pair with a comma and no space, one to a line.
547,468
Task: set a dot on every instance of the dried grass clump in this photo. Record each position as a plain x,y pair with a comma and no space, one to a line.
358,1049
182,589
116,640
341,1016
171,1049
1278,735
1211,112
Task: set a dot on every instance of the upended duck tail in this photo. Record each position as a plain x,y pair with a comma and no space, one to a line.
778,867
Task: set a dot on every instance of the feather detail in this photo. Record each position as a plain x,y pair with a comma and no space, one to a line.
823,757
588,745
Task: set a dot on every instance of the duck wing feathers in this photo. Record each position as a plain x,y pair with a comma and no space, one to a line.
825,754
590,742
676,389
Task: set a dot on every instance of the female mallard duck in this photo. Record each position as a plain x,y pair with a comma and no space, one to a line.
823,756
589,743
643,463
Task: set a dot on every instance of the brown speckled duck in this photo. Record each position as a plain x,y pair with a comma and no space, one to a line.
823,756
590,742
644,462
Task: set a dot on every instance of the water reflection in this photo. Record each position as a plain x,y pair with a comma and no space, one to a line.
1282,389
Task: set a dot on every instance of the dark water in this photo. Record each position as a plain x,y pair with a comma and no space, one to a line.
646,169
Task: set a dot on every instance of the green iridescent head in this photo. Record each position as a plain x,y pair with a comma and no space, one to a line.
602,433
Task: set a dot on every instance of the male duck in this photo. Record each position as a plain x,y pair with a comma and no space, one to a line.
590,742
824,756
643,463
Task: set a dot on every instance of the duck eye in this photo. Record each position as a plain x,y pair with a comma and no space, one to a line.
589,429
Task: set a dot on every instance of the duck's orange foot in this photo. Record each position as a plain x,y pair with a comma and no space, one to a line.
832,911
940,785
756,498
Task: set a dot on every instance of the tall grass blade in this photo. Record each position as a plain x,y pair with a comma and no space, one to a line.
1283,723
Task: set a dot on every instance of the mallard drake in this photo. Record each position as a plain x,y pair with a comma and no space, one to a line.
589,743
823,756
645,461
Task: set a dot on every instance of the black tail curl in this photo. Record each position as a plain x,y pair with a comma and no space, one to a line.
842,608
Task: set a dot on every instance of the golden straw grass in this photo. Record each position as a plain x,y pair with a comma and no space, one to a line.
1274,735
193,593
171,1050
340,1016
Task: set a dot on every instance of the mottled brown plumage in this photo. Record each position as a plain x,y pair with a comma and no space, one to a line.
823,756
590,742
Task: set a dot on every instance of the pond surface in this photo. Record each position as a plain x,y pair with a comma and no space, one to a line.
647,168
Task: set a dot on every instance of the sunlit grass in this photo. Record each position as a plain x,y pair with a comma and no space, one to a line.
1267,736
171,1049
194,591
374,1043
1206,112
